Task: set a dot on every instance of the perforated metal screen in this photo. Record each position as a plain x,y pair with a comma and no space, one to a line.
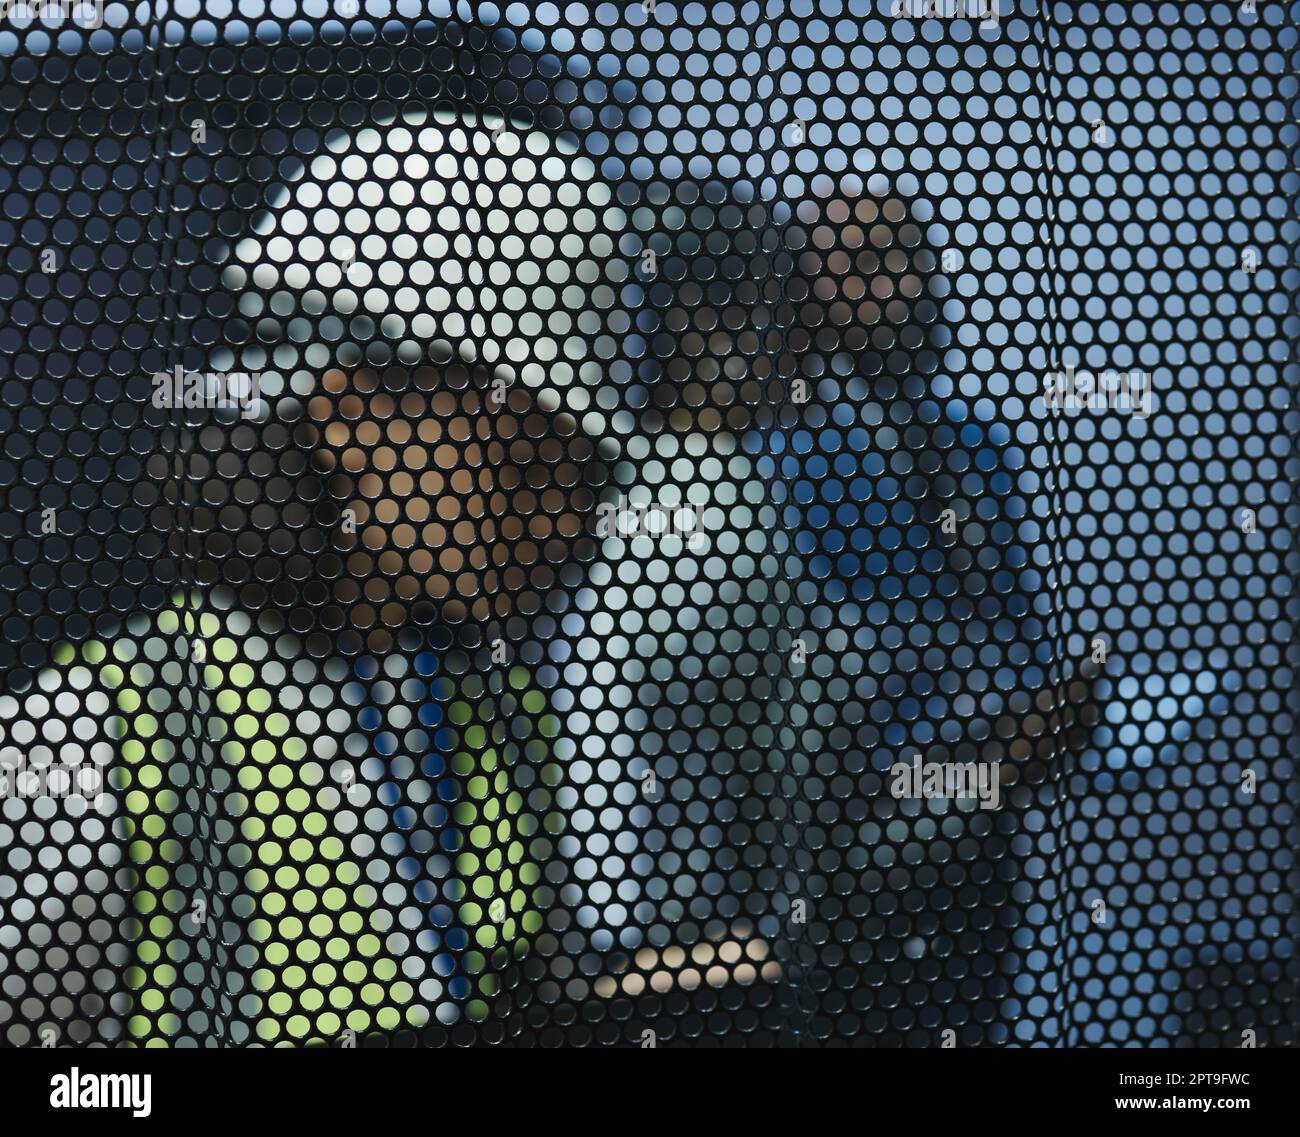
648,524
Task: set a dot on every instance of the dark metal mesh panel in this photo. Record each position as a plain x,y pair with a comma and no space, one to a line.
648,524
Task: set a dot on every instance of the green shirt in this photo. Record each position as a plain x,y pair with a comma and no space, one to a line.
249,873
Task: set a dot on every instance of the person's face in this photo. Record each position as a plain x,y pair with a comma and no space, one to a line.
470,254
449,494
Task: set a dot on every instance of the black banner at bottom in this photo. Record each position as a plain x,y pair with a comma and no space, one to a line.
388,1086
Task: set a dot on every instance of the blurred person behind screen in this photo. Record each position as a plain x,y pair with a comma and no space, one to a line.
406,748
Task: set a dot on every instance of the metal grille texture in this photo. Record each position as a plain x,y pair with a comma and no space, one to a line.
682,524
